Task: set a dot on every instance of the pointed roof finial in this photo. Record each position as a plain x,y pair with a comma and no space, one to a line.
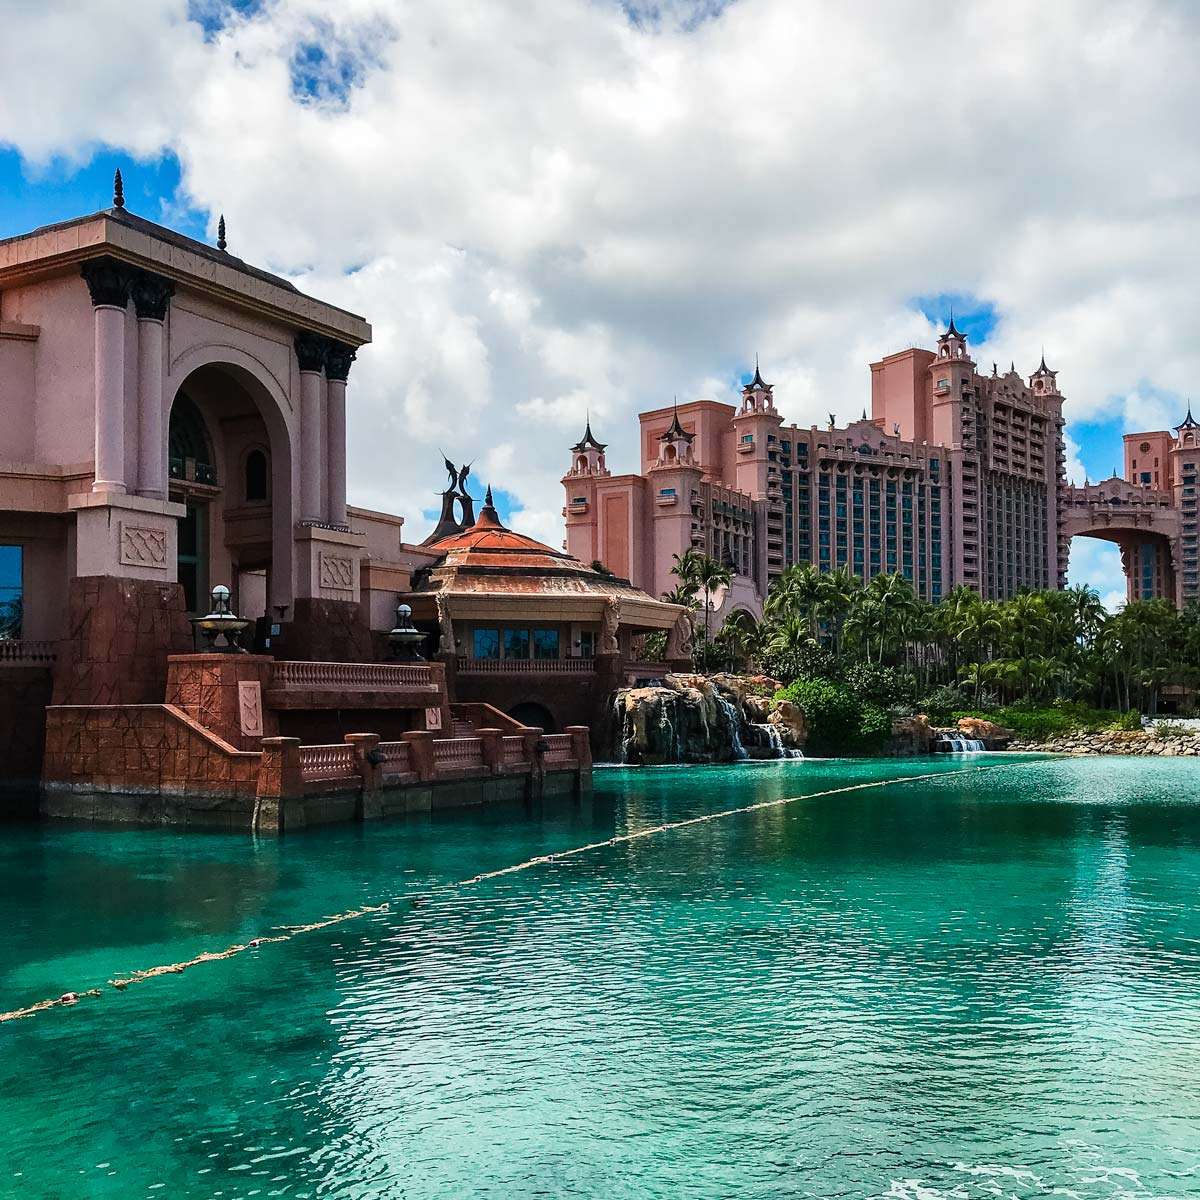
675,430
1188,422
952,331
588,441
1042,368
864,416
118,189
1012,367
757,381
487,498
221,243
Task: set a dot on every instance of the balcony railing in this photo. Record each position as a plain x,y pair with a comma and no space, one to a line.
557,748
526,666
374,677
18,650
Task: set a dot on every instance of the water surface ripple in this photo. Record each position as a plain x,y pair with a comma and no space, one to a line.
979,985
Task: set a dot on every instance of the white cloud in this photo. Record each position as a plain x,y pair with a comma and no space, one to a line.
545,207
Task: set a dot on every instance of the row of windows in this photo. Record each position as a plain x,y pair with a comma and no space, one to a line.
510,642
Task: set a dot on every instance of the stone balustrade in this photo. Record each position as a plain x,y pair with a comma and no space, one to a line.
526,666
327,764
351,676
26,652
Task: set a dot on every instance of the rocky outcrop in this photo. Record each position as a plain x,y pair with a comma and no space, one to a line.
912,736
1184,744
698,719
993,736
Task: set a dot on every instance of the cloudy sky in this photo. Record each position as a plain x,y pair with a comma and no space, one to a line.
546,206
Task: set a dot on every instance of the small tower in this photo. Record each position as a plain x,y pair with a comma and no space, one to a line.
757,396
952,344
587,455
675,444
1044,382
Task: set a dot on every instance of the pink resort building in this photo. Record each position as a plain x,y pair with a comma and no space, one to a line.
955,477
175,419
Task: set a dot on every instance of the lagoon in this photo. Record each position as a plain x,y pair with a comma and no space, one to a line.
983,983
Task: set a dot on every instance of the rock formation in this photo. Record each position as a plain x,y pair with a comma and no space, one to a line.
694,718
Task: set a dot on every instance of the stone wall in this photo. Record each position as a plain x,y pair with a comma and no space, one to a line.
147,749
1117,742
325,631
119,633
224,693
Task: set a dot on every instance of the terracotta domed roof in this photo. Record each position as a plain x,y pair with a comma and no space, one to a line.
490,558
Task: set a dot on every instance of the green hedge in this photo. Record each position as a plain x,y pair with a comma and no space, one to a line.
838,722
1064,717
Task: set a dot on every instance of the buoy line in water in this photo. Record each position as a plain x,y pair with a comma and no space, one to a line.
287,932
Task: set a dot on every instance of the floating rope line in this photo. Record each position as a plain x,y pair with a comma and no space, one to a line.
69,999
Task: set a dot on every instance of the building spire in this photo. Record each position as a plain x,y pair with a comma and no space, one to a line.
221,243
952,331
118,189
1189,422
757,382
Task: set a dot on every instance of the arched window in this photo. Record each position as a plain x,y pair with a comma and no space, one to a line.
189,448
258,475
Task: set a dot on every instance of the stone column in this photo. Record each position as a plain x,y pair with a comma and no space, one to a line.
492,748
337,370
311,350
109,281
151,295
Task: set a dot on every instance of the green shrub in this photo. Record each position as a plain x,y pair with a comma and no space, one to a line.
1061,718
805,662
884,686
941,705
874,729
838,722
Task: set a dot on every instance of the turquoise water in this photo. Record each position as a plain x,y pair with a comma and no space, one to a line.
987,984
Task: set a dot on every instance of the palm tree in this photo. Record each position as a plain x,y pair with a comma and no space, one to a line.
710,575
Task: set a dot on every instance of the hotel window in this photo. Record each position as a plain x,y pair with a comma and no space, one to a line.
516,643
487,643
257,477
545,643
11,592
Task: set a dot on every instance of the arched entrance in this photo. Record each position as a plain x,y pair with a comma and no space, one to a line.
222,464
535,715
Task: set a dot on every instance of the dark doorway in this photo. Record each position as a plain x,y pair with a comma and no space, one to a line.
535,715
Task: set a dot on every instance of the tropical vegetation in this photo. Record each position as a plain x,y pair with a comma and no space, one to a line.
1051,652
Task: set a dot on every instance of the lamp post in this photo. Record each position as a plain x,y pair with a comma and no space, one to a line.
222,627
405,638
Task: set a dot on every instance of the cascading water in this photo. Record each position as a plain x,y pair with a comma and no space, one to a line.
769,736
956,743
732,717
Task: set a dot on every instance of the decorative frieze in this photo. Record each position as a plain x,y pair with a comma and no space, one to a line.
143,546
336,573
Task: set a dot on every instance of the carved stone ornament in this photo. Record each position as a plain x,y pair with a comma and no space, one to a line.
610,622
311,350
108,280
142,547
151,295
250,708
445,625
338,360
679,639
337,573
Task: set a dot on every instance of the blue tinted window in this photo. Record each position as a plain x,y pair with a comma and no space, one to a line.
487,643
516,643
11,594
545,643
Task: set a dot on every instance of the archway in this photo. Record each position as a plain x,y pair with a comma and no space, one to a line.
533,714
1140,522
225,465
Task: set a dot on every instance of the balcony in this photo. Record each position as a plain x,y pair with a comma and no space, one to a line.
526,666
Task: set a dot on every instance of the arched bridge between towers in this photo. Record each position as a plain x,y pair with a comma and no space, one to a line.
1145,525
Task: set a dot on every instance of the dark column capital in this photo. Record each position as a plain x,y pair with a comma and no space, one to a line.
151,294
108,280
311,350
338,360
